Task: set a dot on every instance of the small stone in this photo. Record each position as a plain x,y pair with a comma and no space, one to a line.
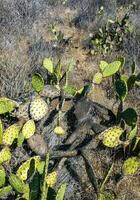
38,144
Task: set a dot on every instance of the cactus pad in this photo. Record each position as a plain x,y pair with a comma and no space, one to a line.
51,179
23,169
5,191
28,129
5,155
16,183
2,176
38,109
7,105
11,133
110,137
131,166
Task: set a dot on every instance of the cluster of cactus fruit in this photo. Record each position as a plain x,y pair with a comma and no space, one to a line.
27,114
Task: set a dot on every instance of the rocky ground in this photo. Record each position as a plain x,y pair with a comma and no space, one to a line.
27,36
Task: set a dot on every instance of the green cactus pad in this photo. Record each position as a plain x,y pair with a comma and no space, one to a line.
37,82
7,105
103,65
5,191
1,131
51,179
47,64
5,155
2,176
28,129
61,192
16,183
111,68
10,134
97,79
110,137
23,169
131,166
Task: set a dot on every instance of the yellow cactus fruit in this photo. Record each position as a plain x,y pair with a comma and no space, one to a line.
59,130
5,155
23,169
28,129
2,176
97,78
38,109
110,137
11,133
131,166
51,179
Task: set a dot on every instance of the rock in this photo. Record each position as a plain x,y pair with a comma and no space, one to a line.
38,145
128,188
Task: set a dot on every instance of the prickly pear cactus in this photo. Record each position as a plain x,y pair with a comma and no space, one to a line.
23,169
51,179
61,192
38,109
7,105
5,191
131,166
110,137
2,176
11,133
16,183
37,82
5,155
97,78
28,129
1,131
